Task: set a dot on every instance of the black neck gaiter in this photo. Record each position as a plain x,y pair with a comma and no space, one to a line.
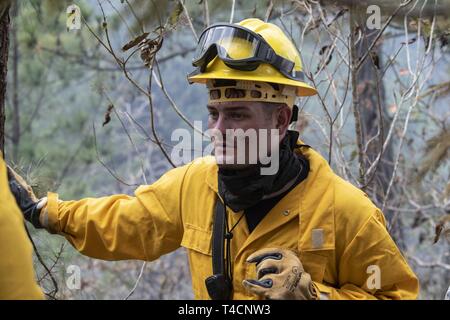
242,189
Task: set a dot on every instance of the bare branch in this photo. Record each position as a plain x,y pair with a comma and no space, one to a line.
268,12
160,83
152,117
104,165
189,19
137,281
355,100
206,12
51,294
385,25
435,264
233,3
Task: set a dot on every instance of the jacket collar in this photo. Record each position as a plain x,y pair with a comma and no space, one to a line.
312,200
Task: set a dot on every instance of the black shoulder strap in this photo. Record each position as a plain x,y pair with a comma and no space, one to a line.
219,285
218,260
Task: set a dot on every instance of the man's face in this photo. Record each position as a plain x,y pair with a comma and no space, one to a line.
242,131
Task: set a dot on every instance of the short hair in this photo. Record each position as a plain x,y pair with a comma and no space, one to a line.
270,107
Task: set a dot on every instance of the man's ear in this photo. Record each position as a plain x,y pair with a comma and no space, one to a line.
284,114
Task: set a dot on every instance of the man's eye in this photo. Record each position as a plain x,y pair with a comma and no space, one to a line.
237,116
213,115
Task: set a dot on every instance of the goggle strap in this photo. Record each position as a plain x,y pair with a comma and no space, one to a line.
195,72
268,54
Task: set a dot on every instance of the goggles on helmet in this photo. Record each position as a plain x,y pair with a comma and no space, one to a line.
239,48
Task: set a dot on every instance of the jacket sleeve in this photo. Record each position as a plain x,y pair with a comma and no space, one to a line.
120,227
17,278
372,267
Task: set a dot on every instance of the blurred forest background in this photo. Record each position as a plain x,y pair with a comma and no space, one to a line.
86,118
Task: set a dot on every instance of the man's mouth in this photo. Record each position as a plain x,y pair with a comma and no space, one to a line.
223,145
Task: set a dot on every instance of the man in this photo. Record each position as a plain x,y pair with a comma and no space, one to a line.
17,280
307,234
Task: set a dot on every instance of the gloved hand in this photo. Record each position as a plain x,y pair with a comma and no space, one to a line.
25,198
280,276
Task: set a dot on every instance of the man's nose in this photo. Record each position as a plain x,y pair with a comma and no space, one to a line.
221,125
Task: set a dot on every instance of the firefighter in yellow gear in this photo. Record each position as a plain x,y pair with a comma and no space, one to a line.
306,232
17,278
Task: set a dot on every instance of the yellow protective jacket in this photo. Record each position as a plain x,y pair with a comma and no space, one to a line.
17,279
339,233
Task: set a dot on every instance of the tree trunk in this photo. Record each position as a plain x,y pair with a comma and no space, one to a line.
374,117
15,137
374,120
4,41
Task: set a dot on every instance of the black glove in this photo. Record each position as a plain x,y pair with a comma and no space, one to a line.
28,206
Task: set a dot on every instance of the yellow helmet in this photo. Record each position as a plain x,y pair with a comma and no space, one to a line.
239,48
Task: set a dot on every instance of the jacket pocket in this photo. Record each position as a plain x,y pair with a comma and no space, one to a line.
197,239
315,264
198,243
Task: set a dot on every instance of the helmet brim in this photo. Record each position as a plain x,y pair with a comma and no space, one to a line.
264,73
